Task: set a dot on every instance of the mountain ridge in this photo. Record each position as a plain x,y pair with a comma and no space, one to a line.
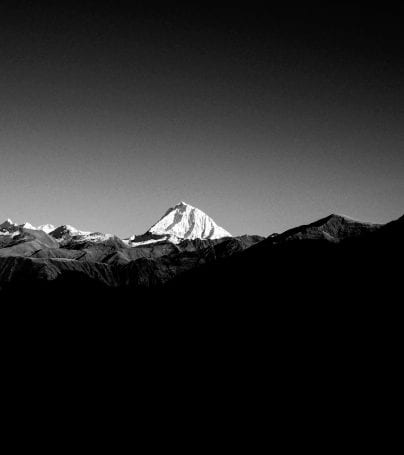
164,231
188,222
180,222
225,262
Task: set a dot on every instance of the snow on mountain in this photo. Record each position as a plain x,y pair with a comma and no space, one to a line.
27,225
96,236
187,222
7,224
65,231
181,222
46,228
134,240
8,228
61,233
70,233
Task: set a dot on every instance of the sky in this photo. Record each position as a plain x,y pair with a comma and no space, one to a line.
110,113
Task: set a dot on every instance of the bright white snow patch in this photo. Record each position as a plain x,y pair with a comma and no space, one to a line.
145,242
27,225
46,228
9,228
70,233
10,224
187,222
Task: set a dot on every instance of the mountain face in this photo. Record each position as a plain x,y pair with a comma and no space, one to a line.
184,238
25,242
9,227
46,228
68,234
335,266
181,222
333,228
184,222
64,233
186,250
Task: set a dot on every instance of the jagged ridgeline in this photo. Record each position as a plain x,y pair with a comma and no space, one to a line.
184,238
185,249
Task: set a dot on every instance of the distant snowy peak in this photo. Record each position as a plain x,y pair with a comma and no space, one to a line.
187,222
66,231
8,224
8,228
27,225
70,233
61,233
11,227
181,222
46,228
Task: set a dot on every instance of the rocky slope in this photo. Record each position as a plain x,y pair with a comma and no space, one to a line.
333,228
182,222
182,239
332,265
310,257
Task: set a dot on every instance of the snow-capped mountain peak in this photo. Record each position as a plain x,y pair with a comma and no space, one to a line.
70,233
183,221
7,223
27,225
66,230
47,228
8,227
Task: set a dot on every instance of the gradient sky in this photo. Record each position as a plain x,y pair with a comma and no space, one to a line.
264,119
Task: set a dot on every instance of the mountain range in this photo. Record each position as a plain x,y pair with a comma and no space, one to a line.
185,251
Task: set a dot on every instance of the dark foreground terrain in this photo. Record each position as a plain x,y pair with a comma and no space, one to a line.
299,331
334,264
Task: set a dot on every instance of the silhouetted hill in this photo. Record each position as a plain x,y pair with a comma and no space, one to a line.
333,228
111,263
334,259
327,261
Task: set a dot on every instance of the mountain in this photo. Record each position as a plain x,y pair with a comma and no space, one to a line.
183,239
135,268
27,225
25,242
46,228
182,222
61,233
170,259
334,262
187,222
68,234
8,227
333,228
66,231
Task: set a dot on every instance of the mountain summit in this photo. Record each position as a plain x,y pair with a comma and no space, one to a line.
333,228
187,222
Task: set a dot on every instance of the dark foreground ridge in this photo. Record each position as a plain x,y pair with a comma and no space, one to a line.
305,321
335,259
